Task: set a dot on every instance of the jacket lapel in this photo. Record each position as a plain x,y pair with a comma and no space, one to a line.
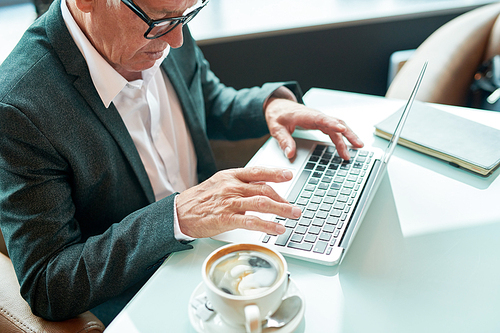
206,166
75,65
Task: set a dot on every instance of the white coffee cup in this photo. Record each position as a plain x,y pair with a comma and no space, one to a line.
245,299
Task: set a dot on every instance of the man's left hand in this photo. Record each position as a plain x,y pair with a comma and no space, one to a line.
283,116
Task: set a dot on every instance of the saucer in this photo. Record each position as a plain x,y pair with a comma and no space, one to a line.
216,324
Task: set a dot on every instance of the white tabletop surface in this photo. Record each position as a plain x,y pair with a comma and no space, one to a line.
425,259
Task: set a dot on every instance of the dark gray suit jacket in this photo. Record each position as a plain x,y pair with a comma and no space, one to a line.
76,206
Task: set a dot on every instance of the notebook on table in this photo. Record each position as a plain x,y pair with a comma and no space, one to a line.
333,194
461,142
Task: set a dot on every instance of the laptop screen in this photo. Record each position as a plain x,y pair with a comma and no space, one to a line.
399,128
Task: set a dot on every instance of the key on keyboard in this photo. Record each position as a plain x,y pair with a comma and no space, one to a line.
325,190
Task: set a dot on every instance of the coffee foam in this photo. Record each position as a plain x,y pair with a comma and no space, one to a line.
244,273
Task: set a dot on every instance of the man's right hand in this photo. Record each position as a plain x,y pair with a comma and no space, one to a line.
219,204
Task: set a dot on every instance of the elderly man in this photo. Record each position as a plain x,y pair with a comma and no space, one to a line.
106,108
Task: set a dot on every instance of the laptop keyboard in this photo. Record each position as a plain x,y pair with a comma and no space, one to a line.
327,191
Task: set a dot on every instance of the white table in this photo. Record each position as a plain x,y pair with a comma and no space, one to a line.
426,258
14,20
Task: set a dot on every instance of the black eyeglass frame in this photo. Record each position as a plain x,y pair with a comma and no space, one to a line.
175,21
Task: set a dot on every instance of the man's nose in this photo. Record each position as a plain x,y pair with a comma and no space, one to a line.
174,38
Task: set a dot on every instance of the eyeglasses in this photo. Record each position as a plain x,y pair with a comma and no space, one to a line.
158,28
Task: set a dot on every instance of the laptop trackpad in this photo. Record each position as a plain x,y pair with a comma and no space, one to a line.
271,155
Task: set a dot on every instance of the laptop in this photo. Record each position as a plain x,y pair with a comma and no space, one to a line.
334,195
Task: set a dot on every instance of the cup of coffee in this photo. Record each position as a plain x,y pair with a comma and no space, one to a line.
245,283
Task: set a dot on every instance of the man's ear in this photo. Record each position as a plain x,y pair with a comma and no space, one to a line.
84,5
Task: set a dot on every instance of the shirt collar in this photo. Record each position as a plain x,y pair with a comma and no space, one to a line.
107,81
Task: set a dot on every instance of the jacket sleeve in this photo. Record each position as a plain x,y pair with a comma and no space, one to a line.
63,268
233,114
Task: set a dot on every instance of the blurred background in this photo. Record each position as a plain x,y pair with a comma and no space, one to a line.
336,44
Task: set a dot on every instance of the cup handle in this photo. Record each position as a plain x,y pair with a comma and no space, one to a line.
252,319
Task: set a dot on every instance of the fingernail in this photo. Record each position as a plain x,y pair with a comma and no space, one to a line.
296,212
341,127
287,174
280,229
288,150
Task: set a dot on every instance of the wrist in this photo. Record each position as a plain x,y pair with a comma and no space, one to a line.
178,234
280,93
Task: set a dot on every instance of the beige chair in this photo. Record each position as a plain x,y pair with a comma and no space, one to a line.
16,315
454,52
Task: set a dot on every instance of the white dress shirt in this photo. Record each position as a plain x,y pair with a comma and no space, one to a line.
152,114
